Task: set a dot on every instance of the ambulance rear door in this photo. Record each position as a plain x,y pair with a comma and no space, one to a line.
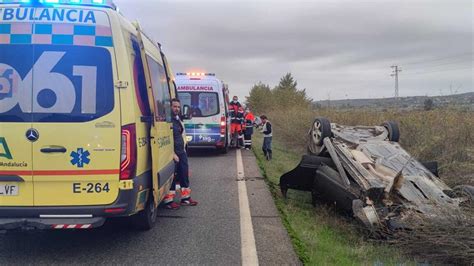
75,107
203,97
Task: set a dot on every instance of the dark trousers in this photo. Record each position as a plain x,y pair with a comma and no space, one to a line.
267,145
182,172
248,140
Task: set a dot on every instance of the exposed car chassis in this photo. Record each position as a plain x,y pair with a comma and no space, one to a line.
365,172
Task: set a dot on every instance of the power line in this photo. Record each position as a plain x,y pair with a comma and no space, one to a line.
445,63
436,59
439,70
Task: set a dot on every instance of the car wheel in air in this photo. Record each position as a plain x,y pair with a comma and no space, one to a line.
393,130
320,130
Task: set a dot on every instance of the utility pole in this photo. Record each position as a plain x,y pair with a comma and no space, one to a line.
395,72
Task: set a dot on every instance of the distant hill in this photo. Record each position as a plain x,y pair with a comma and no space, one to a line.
465,100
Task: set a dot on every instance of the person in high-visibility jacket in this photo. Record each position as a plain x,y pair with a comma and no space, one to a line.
236,119
240,117
267,137
249,119
234,106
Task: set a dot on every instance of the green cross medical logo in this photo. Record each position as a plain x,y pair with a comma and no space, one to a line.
4,150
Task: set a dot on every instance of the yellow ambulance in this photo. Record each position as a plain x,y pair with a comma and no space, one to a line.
85,117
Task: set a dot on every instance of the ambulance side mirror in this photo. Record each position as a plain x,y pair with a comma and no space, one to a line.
186,112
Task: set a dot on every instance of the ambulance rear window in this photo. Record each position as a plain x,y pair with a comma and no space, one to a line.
43,83
203,104
55,64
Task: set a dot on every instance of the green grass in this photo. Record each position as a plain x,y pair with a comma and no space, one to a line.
319,235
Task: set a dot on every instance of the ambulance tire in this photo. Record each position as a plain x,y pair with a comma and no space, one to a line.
224,150
146,219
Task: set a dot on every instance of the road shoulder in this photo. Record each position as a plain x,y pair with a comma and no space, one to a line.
273,243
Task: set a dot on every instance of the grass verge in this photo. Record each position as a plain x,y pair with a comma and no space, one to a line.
318,234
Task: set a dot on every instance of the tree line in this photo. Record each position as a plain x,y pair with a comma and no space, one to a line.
285,95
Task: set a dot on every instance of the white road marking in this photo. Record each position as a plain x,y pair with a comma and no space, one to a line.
247,238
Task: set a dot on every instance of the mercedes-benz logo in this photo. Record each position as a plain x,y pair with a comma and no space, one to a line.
32,134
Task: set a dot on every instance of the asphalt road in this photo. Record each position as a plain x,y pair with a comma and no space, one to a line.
206,234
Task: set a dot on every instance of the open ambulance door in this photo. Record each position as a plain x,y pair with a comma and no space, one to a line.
161,130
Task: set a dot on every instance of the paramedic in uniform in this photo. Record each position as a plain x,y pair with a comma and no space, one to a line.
241,118
181,159
235,118
249,121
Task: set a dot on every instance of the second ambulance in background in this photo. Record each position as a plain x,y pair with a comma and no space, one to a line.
208,99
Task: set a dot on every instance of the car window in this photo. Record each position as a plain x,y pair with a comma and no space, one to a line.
185,99
139,78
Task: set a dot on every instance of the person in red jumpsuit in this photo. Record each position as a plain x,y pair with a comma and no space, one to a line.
236,119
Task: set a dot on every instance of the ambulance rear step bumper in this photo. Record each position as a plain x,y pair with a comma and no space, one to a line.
47,223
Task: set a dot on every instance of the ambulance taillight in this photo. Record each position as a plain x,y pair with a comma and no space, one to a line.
128,155
223,126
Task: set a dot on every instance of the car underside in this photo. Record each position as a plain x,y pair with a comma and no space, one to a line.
365,172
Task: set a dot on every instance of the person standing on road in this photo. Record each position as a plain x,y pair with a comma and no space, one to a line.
241,118
249,121
181,159
236,119
267,137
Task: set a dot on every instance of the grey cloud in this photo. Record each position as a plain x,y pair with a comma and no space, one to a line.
345,47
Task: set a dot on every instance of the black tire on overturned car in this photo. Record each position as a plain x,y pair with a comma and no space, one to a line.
393,130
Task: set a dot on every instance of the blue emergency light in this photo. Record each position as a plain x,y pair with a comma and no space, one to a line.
101,3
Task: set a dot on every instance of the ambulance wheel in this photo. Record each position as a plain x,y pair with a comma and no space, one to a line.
225,150
146,219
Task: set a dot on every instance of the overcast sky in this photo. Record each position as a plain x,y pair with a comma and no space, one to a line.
336,49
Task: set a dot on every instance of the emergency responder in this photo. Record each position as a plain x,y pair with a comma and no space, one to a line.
181,159
249,119
235,120
241,117
267,137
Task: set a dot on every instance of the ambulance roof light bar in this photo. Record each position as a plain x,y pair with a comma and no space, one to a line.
100,3
195,74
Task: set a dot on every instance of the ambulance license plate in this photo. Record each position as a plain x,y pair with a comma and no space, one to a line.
9,189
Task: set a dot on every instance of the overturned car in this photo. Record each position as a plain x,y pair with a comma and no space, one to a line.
364,171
